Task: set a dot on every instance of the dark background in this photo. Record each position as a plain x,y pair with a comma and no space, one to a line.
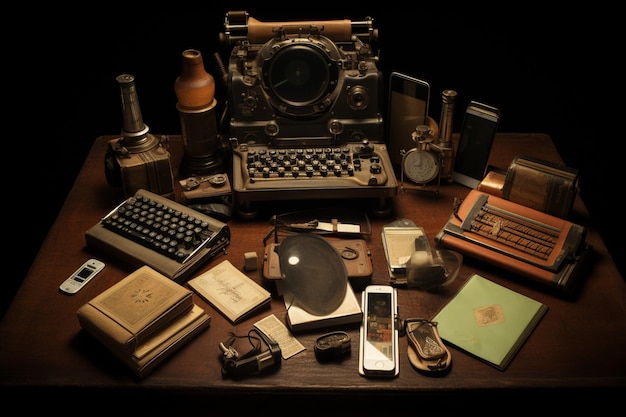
548,72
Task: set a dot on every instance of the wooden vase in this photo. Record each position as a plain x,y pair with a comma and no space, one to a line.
195,87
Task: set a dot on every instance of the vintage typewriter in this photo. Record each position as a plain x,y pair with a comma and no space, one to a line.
304,103
531,243
149,229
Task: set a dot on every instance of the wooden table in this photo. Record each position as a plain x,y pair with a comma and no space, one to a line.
577,350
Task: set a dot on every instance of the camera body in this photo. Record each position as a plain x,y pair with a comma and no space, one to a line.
137,159
146,165
301,89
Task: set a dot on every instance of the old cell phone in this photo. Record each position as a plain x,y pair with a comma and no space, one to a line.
81,276
378,349
478,131
408,102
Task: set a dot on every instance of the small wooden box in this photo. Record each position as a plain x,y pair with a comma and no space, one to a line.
150,170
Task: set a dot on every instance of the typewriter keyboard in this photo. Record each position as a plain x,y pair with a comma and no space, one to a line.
349,170
518,233
173,232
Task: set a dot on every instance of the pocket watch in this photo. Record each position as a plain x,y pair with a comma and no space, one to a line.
421,165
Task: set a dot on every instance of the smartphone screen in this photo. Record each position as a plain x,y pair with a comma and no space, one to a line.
478,131
407,107
379,337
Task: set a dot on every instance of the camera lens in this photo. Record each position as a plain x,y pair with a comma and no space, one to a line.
358,98
299,75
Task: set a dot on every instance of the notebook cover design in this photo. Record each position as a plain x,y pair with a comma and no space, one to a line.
489,321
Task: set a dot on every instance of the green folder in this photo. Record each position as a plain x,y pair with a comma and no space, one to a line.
489,321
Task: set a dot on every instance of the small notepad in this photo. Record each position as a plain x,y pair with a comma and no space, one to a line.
489,321
230,291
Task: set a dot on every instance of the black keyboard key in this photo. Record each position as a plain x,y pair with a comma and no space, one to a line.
168,231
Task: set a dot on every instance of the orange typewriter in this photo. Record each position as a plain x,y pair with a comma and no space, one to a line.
534,244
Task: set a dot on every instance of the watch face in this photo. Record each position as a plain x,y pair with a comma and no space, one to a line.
420,166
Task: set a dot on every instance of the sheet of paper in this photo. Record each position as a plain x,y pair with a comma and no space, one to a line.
275,329
340,227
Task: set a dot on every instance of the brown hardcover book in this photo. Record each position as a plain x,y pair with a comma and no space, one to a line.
162,344
132,310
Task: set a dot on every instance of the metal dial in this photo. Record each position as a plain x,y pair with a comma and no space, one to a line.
420,166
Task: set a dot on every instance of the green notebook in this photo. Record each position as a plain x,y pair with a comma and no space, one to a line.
489,321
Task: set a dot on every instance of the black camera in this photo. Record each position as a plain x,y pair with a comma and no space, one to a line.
303,83
258,360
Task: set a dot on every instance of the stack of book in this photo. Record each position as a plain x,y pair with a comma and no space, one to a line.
143,319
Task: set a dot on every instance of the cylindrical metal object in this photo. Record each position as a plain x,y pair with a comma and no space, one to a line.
448,98
137,160
444,144
131,112
135,136
203,151
199,130
240,26
195,90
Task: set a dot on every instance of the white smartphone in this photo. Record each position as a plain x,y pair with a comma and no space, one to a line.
408,102
478,131
81,276
378,350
